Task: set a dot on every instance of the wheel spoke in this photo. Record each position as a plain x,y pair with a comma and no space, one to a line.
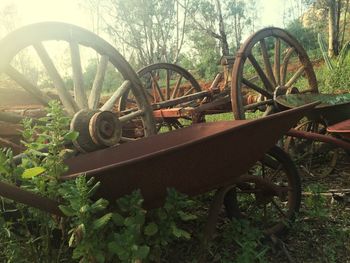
27,85
285,63
95,94
257,88
167,84
131,116
189,91
258,104
295,77
276,172
177,87
78,80
156,86
267,62
149,94
260,72
109,104
279,209
67,100
277,61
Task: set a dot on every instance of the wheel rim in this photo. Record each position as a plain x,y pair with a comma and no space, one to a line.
267,210
276,74
38,40
164,82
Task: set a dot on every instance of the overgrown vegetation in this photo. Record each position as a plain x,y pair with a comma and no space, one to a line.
129,232
97,230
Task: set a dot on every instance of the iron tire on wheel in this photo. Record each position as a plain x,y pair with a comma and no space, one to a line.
273,77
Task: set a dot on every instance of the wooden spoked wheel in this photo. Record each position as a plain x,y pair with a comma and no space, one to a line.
164,83
269,207
279,65
58,57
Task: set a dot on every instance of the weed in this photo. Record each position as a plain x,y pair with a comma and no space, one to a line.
316,203
127,231
241,243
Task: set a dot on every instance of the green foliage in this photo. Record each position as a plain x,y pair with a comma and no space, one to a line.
93,230
112,80
30,234
167,229
206,57
338,78
316,203
241,243
324,52
306,36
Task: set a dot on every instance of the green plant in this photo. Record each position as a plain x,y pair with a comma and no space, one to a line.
31,232
129,232
315,202
241,242
339,71
164,227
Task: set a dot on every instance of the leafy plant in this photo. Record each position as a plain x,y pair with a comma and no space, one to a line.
31,234
316,203
128,232
241,242
164,227
338,79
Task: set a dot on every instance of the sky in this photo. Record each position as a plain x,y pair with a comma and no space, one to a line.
31,11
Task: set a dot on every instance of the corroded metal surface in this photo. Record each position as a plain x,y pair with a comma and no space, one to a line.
341,128
25,197
319,137
192,160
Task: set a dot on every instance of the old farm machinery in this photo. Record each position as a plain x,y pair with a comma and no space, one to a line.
142,104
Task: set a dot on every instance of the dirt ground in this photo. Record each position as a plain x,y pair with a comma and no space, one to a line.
321,232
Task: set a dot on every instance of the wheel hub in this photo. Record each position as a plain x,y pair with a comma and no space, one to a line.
97,129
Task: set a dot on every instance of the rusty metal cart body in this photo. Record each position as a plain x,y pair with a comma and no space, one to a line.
176,160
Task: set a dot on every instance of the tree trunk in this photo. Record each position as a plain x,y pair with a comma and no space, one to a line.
333,28
224,45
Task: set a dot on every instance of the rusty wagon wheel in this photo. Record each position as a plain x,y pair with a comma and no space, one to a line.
164,83
45,47
273,207
281,65
310,154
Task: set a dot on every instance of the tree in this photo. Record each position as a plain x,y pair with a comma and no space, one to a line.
226,21
8,19
153,30
336,10
94,8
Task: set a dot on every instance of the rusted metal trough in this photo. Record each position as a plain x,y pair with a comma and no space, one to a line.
192,160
